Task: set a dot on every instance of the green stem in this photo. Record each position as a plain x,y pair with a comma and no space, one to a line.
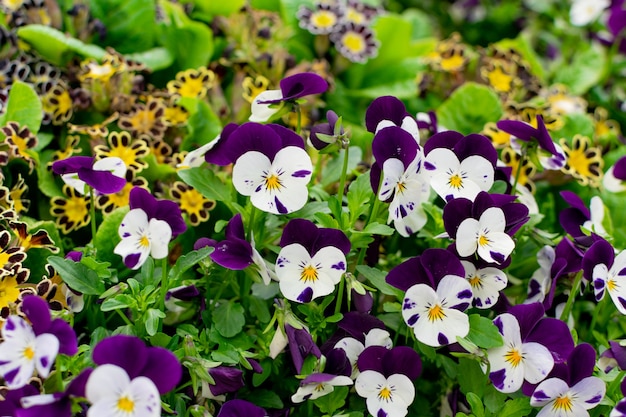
372,213
164,284
572,296
339,300
250,231
518,171
92,209
299,119
123,316
342,181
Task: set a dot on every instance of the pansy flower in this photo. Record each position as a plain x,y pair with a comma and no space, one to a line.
386,379
403,183
72,212
226,379
240,408
437,294
484,226
486,282
312,260
321,20
146,120
388,111
27,347
615,178
583,161
571,389
606,272
193,83
236,253
319,384
583,12
532,345
459,166
106,176
578,217
296,86
192,202
355,41
620,407
271,167
121,145
329,136
354,347
130,377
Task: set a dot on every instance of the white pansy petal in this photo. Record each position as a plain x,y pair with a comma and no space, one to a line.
548,390
618,294
589,391
392,173
441,332
383,124
466,237
554,410
46,350
132,247
505,377
286,201
493,218
487,292
612,183
249,171
134,222
538,362
441,160
262,112
295,163
17,329
599,278
106,381
479,171
412,223
145,396
456,292
352,347
311,392
378,337
619,264
195,158
442,184
160,234
106,407
410,125
332,263
113,164
74,182
500,246
416,302
403,388
367,383
508,326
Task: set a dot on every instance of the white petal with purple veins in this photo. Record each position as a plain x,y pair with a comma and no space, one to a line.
262,112
250,171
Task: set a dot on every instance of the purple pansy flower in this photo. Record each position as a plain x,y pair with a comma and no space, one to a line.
386,379
311,261
301,345
165,210
240,408
271,167
227,379
28,347
389,111
404,185
460,166
58,404
553,156
620,407
291,88
570,390
328,136
615,178
212,152
578,215
236,253
614,356
606,272
106,176
437,294
11,404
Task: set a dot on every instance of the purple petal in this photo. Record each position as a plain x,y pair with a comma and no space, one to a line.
163,368
576,202
204,242
385,108
234,228
318,378
165,210
227,379
454,212
554,335
102,181
619,169
447,140
407,274
72,165
476,145
601,252
253,137
403,360
440,262
287,136
519,129
581,363
186,293
68,343
394,142
127,352
301,85
359,324
300,345
217,154
571,219
74,255
371,359
235,254
240,408
38,313
528,315
362,303
76,387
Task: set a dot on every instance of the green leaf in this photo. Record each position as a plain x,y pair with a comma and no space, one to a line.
483,332
359,194
155,59
516,407
152,319
55,46
77,276
332,401
377,278
188,260
475,404
24,107
118,302
469,108
575,123
473,380
204,180
264,398
107,236
45,177
229,319
584,71
377,229
203,124
221,8
332,170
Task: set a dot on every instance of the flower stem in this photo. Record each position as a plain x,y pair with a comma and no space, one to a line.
92,210
342,181
124,317
373,212
518,171
250,231
339,300
299,119
572,296
164,284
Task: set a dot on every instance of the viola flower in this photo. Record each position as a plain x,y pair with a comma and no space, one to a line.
532,345
105,176
354,347
227,379
271,167
620,407
329,136
613,357
71,213
606,272
386,379
146,120
317,385
25,348
459,166
615,178
572,391
109,202
192,202
240,408
584,12
322,20
356,42
236,253
312,260
193,83
524,173
550,154
165,210
437,294
583,161
301,344
252,87
579,216
388,111
296,86
486,283
58,104
122,146
404,184
21,141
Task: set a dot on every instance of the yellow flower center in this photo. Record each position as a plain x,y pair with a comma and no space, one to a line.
354,16
354,42
121,198
191,87
514,357
29,353
452,63
455,181
499,80
436,313
8,291
191,201
76,209
65,102
563,403
126,154
20,143
483,240
144,241
611,285
272,183
176,115
500,138
126,405
475,281
579,162
324,19
308,274
384,394
143,120
401,187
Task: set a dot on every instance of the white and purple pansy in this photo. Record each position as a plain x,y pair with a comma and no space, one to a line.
386,379
318,385
570,390
606,272
486,282
620,407
614,179
312,260
551,155
437,294
532,346
398,170
460,166
106,176
58,404
578,217
26,348
390,111
484,226
267,103
354,346
271,167
329,136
